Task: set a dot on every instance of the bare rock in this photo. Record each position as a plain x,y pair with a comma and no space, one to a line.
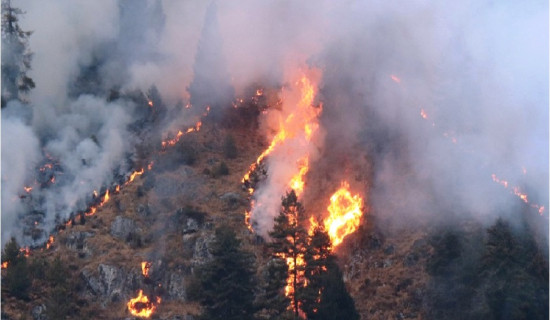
176,287
201,252
191,226
122,227
112,284
77,241
39,312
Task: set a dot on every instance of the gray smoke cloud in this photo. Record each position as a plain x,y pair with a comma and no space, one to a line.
478,70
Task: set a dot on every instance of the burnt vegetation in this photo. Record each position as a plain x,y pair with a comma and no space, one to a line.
205,263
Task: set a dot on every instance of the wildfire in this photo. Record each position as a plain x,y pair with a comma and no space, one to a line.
27,189
344,214
141,306
513,189
51,239
299,125
289,288
173,141
93,209
517,192
135,174
297,182
26,251
4,265
145,266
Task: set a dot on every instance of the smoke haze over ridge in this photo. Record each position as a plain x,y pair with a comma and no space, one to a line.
478,69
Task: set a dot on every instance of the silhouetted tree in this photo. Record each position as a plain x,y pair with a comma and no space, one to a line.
16,279
16,55
325,294
226,284
229,148
516,274
289,240
273,300
61,300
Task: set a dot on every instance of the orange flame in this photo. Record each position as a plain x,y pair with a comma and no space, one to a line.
289,287
141,306
93,209
297,182
301,123
517,192
395,78
145,266
26,251
134,174
28,189
50,242
176,139
4,265
344,214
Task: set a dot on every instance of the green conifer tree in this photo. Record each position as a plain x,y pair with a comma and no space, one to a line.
226,284
289,241
16,280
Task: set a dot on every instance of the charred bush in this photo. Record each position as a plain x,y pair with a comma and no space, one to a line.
149,183
140,192
219,170
188,152
229,147
189,212
134,240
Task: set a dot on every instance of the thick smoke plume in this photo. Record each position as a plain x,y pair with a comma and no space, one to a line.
439,96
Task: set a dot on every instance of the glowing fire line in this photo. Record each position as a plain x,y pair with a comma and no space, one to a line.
517,192
514,190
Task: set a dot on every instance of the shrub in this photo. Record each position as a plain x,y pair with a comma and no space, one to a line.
229,148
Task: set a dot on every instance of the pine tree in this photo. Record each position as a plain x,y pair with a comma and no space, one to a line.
289,241
516,274
325,294
16,280
61,300
273,301
16,56
226,284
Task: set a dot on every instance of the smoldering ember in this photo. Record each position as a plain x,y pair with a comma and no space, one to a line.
274,159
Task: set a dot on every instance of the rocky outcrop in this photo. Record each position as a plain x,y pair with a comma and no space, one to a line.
122,227
77,241
201,252
38,312
110,284
176,286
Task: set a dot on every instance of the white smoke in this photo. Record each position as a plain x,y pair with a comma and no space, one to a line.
479,70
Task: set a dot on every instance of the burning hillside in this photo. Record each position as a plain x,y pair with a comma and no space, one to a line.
174,160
